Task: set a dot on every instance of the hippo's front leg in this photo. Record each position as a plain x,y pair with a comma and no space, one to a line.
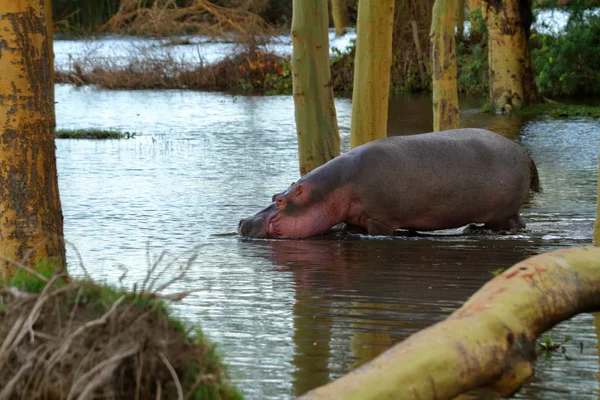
378,228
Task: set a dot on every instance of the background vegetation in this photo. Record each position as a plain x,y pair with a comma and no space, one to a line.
565,62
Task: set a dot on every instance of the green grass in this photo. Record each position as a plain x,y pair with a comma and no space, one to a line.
562,110
92,133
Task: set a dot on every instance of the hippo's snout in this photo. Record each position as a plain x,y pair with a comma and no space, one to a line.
257,226
243,228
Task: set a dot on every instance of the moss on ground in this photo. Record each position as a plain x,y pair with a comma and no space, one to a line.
74,338
92,133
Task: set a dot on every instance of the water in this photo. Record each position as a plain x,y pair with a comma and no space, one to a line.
292,315
189,52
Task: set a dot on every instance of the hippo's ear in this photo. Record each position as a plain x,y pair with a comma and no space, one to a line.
299,189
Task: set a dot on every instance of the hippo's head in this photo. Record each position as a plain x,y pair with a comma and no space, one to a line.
298,212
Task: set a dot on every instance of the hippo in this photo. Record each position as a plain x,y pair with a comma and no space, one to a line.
423,182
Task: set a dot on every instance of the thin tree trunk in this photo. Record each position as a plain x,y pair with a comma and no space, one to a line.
372,65
460,20
487,343
339,12
446,114
511,74
597,222
316,124
31,228
422,69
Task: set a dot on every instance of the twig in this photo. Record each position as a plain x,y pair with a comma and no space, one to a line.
173,374
77,296
158,390
40,243
138,375
184,270
6,392
69,339
198,382
24,268
24,326
106,369
79,258
171,297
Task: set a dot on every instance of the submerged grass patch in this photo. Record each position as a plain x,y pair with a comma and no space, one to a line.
92,133
557,110
78,339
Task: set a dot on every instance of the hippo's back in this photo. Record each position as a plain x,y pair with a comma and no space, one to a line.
460,175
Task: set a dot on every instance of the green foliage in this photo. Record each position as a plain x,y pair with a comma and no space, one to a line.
92,133
281,82
27,282
472,63
549,346
561,110
472,57
568,64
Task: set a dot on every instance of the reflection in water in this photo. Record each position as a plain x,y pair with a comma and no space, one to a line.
312,341
290,315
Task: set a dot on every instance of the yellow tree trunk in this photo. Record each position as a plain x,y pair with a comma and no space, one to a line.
316,123
446,114
339,12
474,5
372,71
488,342
31,227
510,70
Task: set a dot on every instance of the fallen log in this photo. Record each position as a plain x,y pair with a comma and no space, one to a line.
487,343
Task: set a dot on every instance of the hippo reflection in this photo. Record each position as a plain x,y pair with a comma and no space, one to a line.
424,182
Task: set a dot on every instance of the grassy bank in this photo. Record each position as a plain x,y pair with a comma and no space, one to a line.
557,110
77,339
252,69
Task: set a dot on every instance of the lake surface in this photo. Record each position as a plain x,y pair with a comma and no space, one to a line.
290,315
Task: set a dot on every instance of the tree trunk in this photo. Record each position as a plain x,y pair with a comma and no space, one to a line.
339,12
372,65
446,114
31,228
422,68
316,124
597,222
487,343
511,74
474,5
460,20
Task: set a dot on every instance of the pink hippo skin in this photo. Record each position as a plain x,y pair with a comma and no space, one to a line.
424,182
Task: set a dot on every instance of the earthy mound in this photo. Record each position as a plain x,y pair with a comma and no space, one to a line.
80,340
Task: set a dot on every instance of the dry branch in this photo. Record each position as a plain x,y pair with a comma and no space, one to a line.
165,18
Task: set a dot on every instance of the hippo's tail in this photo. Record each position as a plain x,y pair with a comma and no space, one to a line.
534,181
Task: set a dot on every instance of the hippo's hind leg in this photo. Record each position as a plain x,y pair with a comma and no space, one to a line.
511,223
